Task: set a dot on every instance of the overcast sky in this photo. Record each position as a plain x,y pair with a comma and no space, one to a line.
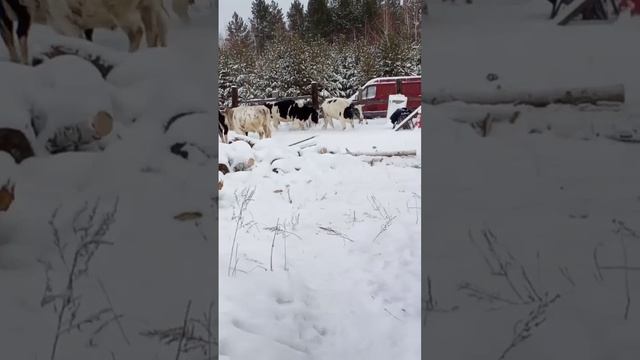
243,8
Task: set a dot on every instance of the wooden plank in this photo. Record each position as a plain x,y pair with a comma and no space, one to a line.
577,10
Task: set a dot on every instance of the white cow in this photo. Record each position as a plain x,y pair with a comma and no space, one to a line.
245,119
338,108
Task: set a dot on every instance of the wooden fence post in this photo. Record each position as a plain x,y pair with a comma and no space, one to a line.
234,96
314,95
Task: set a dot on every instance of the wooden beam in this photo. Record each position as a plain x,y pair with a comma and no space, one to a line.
234,96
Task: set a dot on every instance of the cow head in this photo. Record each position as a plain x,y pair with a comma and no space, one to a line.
349,111
314,116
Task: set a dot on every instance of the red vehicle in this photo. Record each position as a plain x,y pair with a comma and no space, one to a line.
374,95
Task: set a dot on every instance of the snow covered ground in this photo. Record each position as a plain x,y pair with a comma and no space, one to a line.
323,261
149,265
516,219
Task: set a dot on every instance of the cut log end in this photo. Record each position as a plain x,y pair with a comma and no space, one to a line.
15,143
223,168
7,195
102,124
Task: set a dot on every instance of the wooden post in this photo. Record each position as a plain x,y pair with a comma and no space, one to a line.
234,96
314,95
359,96
398,86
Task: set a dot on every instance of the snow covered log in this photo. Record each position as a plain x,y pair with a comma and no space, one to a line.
237,156
476,115
15,143
238,137
7,195
570,96
103,62
73,137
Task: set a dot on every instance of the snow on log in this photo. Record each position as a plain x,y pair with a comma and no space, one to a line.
74,137
382,153
237,137
102,59
237,156
570,96
482,120
15,143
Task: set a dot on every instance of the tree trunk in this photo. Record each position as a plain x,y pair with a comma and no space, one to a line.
541,98
382,153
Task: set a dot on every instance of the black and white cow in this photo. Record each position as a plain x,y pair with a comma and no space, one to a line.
301,115
223,128
341,109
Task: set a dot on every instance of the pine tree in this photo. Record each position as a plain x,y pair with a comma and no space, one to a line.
295,18
238,35
344,17
318,19
277,24
368,15
260,24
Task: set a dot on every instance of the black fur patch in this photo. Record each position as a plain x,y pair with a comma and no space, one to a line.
349,112
284,107
222,123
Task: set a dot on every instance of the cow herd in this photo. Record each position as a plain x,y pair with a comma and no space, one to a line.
262,118
78,18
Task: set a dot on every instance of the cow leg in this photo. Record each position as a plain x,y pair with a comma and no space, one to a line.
267,129
342,120
24,24
6,30
148,21
88,34
132,25
161,30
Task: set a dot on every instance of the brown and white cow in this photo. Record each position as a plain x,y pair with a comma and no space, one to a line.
246,119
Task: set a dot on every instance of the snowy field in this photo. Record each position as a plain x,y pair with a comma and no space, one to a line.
320,253
113,269
531,249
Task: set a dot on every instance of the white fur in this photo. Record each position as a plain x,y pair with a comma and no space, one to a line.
135,17
335,110
245,119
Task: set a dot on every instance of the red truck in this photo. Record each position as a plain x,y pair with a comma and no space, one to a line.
374,95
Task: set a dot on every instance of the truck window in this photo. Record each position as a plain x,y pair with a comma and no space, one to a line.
369,92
